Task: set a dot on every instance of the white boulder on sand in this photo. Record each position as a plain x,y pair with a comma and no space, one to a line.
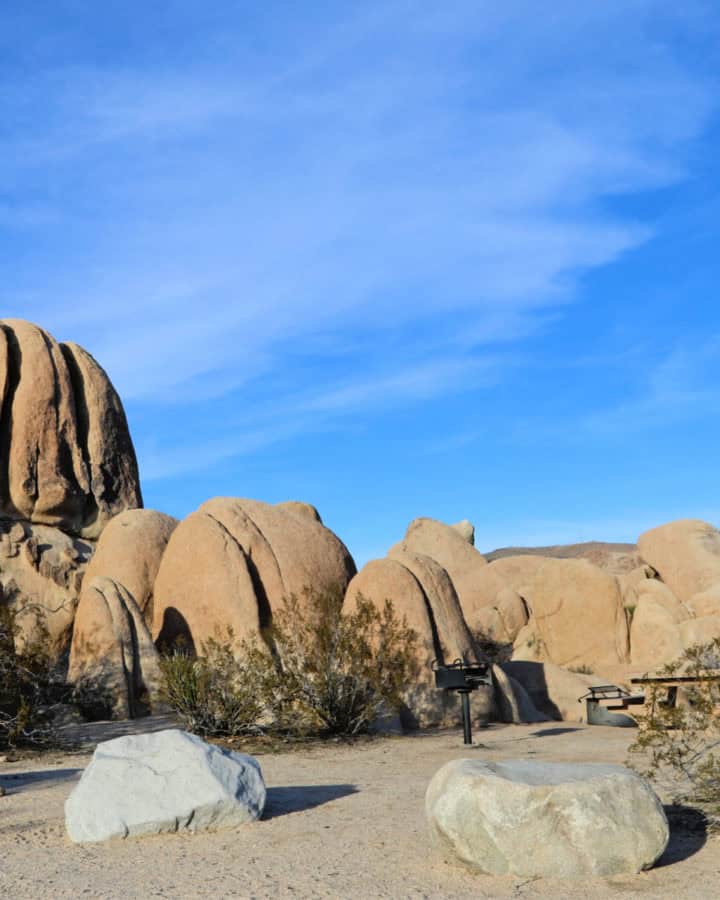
166,781
546,819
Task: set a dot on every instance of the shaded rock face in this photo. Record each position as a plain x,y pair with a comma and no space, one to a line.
41,574
552,689
112,651
66,457
233,560
163,782
547,820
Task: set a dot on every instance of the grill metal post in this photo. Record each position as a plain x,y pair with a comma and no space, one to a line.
467,724
463,678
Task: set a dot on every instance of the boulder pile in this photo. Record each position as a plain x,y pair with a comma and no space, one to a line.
106,584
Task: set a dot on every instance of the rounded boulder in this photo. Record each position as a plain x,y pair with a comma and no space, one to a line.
547,820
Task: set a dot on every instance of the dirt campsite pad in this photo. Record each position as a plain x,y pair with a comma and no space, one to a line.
341,821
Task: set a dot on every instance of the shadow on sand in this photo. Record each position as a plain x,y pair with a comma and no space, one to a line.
553,732
688,834
284,800
16,782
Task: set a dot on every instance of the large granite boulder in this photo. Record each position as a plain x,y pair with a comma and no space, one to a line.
163,782
112,654
41,574
554,820
577,617
66,457
233,560
129,552
686,553
205,586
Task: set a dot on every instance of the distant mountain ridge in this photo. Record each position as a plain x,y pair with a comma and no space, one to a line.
616,558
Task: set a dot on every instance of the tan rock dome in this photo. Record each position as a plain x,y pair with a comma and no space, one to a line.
66,457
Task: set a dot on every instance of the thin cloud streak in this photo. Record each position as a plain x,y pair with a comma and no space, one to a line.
362,187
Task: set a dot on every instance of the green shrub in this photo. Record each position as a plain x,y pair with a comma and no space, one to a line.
333,672
679,746
30,685
215,694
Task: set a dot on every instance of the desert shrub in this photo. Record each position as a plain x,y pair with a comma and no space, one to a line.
214,693
330,672
492,650
679,746
31,687
93,698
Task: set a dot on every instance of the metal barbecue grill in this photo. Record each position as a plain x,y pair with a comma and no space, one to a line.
463,678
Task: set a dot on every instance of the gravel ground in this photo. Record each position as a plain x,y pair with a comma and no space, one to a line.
341,821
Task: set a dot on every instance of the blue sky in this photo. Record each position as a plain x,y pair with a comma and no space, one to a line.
392,258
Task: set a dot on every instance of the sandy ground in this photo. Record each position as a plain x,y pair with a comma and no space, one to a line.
341,821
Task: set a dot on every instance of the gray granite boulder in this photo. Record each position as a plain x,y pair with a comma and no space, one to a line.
163,782
526,818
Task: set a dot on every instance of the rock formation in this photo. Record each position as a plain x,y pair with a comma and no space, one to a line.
233,560
686,553
577,616
112,652
129,552
66,458
41,572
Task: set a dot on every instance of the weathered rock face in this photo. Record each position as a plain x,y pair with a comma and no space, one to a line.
699,631
204,587
510,573
164,782
577,617
454,640
544,820
41,573
503,621
300,509
686,553
112,651
130,550
654,634
66,458
230,562
450,549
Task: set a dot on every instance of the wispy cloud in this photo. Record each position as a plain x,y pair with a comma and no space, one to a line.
358,183
680,387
